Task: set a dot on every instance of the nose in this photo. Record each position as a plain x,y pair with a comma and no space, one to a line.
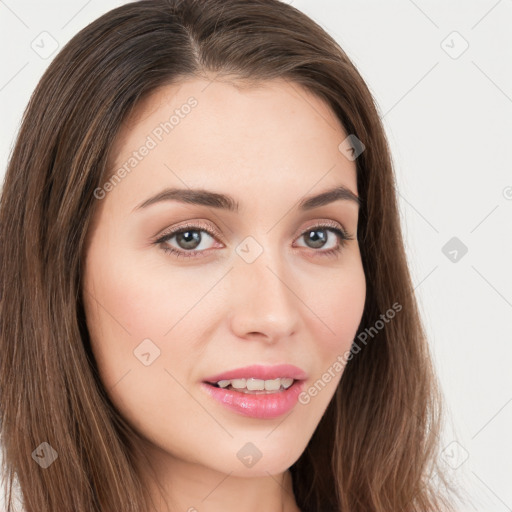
265,305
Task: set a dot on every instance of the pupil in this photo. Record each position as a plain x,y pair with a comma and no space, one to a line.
190,239
318,241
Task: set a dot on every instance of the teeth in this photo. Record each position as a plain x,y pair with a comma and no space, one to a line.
272,385
286,383
257,384
238,383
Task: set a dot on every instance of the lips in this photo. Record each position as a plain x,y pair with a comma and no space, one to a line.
261,372
257,404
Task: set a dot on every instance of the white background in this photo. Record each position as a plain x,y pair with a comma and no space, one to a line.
449,123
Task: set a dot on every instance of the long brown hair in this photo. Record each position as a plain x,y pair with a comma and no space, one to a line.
375,448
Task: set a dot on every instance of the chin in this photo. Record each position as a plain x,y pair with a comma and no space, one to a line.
259,459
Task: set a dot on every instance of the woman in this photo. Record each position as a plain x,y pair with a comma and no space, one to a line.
205,298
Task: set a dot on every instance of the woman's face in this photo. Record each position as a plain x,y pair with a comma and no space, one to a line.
262,278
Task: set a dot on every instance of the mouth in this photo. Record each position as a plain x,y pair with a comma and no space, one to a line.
260,392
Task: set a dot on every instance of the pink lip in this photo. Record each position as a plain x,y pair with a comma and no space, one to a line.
258,371
261,406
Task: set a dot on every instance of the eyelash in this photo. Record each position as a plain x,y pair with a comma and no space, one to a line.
343,238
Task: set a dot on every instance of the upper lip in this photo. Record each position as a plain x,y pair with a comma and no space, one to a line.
262,372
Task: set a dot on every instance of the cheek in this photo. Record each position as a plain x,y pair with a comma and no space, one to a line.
120,309
338,302
139,313
142,338
132,298
349,300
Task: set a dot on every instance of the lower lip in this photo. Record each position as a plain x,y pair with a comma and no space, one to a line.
261,406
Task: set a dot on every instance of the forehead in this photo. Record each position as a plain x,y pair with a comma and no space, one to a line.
231,93
258,111
209,133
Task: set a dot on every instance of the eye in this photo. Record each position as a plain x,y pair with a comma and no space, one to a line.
317,237
191,240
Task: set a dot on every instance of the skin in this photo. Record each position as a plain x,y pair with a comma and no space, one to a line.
268,146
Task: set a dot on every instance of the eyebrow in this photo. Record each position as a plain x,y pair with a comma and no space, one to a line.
215,200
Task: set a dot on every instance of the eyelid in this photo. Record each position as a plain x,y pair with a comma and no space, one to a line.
192,225
323,223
